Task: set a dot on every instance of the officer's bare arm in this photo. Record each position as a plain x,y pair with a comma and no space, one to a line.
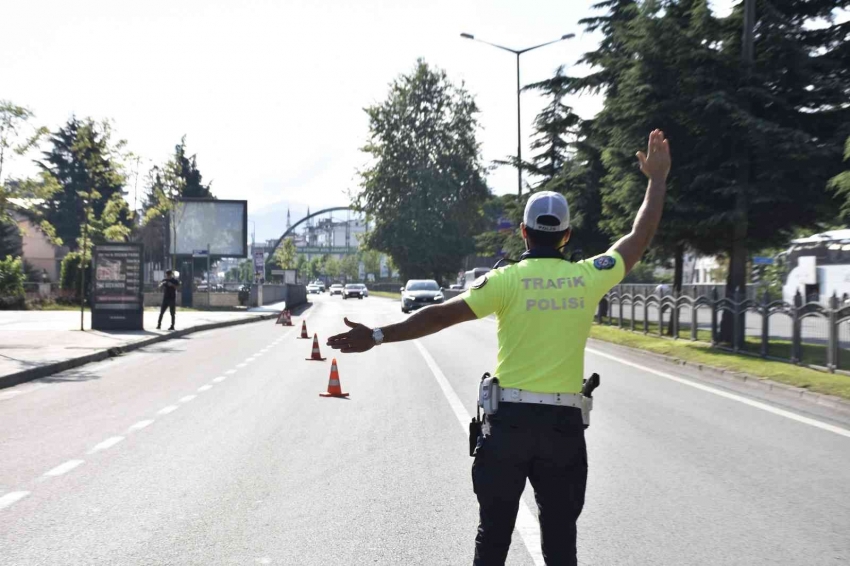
655,164
424,322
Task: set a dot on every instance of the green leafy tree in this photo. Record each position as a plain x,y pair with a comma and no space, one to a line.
332,267
12,277
349,267
18,137
177,179
284,255
315,267
425,185
371,262
87,165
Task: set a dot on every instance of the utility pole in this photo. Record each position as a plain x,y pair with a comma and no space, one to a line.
83,266
518,52
738,260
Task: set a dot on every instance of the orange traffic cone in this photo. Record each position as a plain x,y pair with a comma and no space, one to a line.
334,388
304,330
287,318
279,318
316,355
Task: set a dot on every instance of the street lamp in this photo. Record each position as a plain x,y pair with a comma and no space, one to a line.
518,52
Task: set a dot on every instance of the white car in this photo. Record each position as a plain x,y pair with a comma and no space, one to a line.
355,290
312,288
336,289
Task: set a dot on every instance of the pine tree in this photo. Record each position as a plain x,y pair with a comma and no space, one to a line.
85,162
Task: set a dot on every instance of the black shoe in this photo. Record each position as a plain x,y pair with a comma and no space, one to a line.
171,328
158,327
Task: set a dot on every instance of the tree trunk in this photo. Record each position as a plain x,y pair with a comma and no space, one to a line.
678,275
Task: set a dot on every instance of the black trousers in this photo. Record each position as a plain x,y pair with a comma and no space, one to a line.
171,305
545,444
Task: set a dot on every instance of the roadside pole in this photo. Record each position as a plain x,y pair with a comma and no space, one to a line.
209,279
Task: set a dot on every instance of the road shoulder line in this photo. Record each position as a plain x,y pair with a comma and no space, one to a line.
726,394
526,524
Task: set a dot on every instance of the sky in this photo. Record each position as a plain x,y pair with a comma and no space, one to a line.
270,94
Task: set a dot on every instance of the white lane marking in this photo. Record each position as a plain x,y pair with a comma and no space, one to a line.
187,398
64,468
249,360
230,371
168,409
106,444
219,379
526,523
203,388
140,425
11,498
242,365
727,395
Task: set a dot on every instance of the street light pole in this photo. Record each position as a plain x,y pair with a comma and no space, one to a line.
518,52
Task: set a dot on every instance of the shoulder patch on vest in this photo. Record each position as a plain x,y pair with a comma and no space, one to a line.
604,262
480,282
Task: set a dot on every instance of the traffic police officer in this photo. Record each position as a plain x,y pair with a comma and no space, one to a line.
544,306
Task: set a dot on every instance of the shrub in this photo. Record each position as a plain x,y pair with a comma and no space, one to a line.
69,275
12,277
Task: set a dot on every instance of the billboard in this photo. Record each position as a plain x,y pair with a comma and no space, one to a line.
117,302
220,224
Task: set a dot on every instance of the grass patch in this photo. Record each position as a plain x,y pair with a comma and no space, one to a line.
385,294
703,353
812,354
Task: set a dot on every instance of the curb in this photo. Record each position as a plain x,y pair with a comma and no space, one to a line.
17,378
761,383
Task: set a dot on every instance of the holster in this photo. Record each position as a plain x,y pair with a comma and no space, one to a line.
489,393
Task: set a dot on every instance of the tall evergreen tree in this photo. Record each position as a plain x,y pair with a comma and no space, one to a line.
85,162
425,185
185,168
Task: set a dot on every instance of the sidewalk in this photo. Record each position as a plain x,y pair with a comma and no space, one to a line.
34,344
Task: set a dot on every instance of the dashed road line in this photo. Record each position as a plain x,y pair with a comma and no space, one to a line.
242,365
11,498
203,388
230,371
168,409
64,468
219,379
106,444
187,398
140,425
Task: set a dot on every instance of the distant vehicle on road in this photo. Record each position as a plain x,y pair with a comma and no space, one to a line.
336,289
420,293
456,287
314,289
470,276
320,284
354,290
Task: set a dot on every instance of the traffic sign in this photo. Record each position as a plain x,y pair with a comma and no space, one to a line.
759,260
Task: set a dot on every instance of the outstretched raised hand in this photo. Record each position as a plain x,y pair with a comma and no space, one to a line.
655,163
358,339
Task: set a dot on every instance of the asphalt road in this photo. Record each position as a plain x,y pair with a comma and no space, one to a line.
217,449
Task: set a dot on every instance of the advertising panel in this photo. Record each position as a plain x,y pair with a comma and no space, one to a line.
117,299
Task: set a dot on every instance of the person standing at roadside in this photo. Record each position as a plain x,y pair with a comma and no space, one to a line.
169,287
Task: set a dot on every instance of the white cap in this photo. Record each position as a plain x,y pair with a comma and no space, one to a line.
547,203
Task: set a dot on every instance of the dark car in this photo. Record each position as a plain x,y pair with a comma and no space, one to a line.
353,290
420,293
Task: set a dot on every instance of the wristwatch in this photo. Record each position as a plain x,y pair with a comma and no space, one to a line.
378,336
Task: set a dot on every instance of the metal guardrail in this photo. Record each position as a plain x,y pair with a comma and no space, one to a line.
804,333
